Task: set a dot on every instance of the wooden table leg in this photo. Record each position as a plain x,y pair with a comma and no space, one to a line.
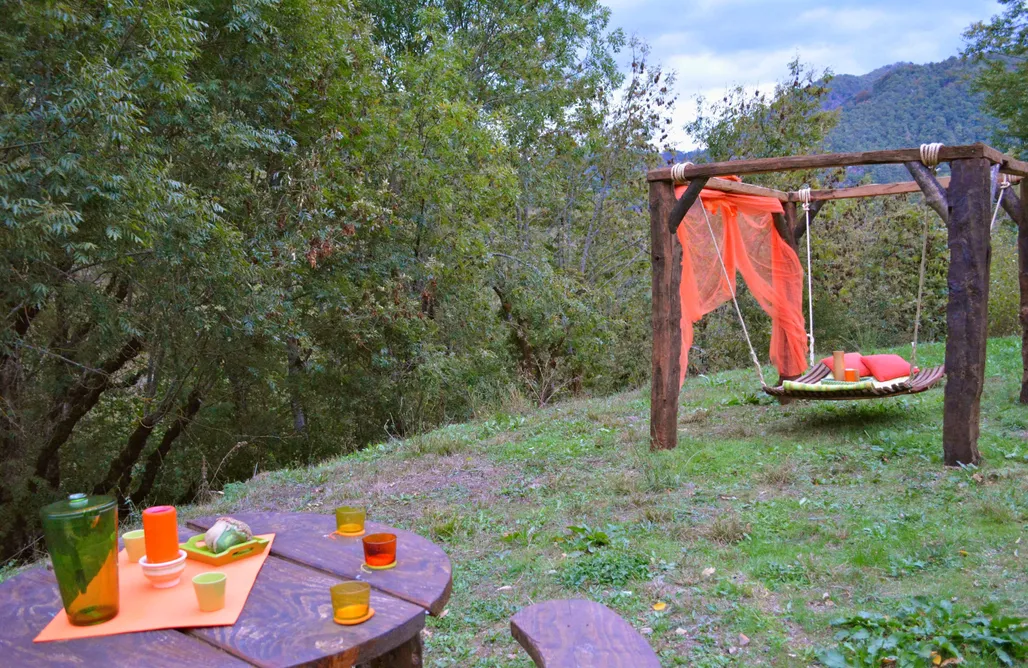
407,655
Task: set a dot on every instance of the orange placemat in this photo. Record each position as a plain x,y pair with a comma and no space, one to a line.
144,608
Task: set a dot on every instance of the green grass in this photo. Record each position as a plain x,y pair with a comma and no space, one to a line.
766,522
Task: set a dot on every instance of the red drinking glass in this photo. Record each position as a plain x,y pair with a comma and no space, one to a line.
380,549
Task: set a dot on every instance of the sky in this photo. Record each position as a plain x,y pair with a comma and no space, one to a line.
716,44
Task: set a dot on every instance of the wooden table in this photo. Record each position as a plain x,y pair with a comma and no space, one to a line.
287,620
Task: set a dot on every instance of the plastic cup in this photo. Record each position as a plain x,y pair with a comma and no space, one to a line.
852,375
350,600
380,549
135,545
210,590
350,519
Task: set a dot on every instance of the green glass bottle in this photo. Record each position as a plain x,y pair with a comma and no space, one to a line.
82,538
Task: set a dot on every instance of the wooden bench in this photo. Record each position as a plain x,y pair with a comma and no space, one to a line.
580,634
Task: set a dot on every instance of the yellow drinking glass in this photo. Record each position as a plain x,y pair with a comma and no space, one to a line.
350,520
350,600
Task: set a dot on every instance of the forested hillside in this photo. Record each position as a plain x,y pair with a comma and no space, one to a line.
907,105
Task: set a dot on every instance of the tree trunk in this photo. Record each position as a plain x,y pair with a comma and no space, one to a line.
967,314
156,459
666,257
295,372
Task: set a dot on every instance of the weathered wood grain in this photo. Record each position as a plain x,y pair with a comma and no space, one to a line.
423,574
407,655
933,189
800,228
30,600
739,188
1012,205
287,621
871,190
795,162
580,634
1022,280
684,203
666,266
967,309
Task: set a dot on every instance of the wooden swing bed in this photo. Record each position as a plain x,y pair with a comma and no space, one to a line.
964,201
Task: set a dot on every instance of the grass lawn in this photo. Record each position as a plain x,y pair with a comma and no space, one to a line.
763,525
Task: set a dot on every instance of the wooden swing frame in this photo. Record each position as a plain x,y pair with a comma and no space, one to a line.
964,202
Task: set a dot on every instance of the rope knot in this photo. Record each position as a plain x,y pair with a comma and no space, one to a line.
676,171
1004,182
930,154
804,195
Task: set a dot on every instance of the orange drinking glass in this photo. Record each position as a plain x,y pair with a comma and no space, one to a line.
380,549
852,376
350,520
350,600
160,533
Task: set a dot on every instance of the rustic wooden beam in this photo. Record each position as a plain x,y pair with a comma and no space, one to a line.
967,311
829,160
785,223
684,203
1007,164
870,190
739,188
934,192
1022,280
666,258
1012,205
800,227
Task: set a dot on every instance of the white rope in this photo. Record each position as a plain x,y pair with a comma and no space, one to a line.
930,154
1003,185
804,195
731,289
676,171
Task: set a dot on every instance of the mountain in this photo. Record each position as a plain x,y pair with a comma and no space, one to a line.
904,104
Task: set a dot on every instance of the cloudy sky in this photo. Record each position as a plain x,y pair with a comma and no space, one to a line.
714,44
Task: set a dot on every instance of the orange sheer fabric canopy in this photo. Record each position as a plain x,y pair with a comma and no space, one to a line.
751,246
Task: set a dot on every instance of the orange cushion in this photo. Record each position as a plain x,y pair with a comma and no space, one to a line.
887,367
852,361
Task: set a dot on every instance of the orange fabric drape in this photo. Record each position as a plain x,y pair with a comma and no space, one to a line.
751,246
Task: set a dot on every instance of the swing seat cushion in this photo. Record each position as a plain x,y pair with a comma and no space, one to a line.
852,361
886,367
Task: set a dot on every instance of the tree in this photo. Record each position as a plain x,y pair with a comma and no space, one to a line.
1001,45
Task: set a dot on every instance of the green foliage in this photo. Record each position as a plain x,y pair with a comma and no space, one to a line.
608,568
1000,46
908,105
927,633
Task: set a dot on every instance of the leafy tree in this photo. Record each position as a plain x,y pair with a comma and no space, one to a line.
1001,46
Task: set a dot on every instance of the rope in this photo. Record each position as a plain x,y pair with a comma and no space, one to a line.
676,171
804,194
731,289
930,158
930,154
1003,185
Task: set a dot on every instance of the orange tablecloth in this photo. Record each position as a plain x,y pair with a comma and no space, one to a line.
144,608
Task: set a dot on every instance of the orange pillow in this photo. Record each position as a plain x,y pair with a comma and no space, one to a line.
887,367
852,361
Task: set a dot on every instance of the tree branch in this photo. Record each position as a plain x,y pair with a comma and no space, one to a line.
934,193
156,459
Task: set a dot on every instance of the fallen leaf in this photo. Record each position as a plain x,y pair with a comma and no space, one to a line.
962,553
646,630
680,631
936,658
743,640
659,605
707,572
505,588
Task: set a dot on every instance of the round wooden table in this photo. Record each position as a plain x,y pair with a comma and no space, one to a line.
287,620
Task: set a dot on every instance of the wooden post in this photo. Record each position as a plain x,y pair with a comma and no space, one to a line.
666,258
967,314
785,223
1022,279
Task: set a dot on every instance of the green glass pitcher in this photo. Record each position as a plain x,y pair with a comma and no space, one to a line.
82,538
